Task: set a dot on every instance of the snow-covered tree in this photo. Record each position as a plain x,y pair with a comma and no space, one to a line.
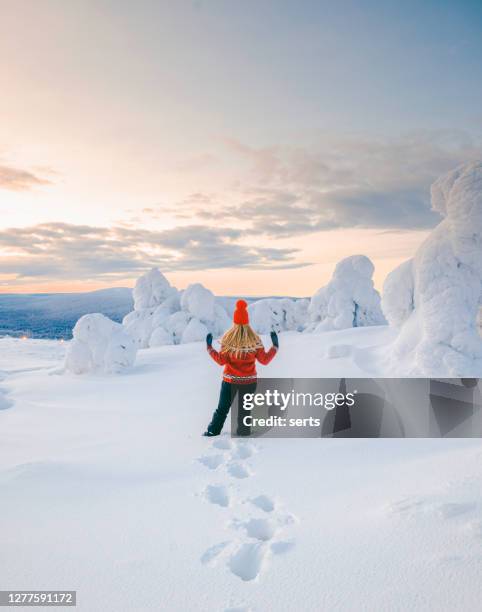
278,314
99,345
164,315
434,299
151,290
348,300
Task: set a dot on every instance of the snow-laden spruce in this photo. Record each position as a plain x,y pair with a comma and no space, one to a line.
278,314
348,300
100,346
434,299
163,315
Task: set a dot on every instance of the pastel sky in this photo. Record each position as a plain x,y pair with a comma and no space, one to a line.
245,145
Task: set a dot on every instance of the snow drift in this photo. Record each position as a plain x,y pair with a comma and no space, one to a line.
99,345
434,299
348,300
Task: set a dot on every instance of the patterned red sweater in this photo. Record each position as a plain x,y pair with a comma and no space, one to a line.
242,370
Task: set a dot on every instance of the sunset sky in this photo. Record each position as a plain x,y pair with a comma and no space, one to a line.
245,145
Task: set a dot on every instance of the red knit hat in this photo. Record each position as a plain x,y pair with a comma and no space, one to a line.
241,316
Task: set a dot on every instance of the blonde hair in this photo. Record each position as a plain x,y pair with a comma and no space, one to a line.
239,340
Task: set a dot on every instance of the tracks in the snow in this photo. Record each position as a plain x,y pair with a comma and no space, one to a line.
258,525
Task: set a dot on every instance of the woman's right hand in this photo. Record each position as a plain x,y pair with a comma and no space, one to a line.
209,340
274,339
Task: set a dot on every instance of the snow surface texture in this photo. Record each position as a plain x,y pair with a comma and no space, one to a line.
163,315
99,345
278,315
348,300
434,299
107,485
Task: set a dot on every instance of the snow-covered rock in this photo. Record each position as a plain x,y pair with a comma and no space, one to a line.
348,300
435,298
278,314
99,345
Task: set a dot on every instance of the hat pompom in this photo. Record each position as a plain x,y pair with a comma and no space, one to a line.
241,316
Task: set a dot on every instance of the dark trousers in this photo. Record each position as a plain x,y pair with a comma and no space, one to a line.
226,398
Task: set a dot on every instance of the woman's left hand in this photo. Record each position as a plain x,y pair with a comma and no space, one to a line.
274,339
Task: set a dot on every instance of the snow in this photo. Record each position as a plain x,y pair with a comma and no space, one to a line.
435,299
195,331
99,345
348,300
108,488
278,314
164,315
398,291
151,289
199,302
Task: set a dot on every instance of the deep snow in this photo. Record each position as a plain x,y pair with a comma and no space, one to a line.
108,488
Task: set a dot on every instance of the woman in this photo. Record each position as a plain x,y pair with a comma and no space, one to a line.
241,347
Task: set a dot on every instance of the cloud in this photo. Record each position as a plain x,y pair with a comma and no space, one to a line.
66,251
343,182
16,179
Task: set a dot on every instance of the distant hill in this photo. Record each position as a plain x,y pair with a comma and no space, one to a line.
53,315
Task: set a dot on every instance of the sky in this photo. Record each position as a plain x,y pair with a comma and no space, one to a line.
245,145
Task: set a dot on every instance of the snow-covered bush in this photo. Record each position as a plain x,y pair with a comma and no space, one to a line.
434,299
164,315
99,345
278,314
348,300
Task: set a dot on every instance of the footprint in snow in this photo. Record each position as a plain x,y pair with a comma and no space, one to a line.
211,461
218,495
238,470
242,451
248,561
260,529
264,503
223,444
